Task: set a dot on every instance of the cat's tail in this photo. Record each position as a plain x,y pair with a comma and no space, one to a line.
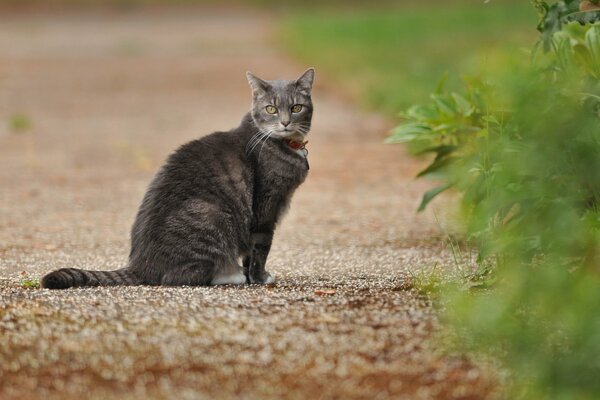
71,277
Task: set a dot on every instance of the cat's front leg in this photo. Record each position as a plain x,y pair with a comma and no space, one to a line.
254,265
246,261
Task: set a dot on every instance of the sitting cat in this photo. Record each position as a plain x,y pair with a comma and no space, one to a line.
217,199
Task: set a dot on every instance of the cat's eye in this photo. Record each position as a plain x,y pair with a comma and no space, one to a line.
271,109
297,108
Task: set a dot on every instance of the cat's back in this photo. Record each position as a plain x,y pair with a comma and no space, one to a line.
203,163
201,154
213,168
209,170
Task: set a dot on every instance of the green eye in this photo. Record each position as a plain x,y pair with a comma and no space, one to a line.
297,108
271,109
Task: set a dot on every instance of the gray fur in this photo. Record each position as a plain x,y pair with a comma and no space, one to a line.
216,200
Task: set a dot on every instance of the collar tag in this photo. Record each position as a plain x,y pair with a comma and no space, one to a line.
296,145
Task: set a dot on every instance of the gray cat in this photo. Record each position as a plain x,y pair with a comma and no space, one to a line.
217,199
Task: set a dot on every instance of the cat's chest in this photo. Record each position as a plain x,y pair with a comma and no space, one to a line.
282,175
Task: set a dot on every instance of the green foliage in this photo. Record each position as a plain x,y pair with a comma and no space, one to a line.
390,58
463,130
533,205
30,283
524,154
451,126
19,123
554,16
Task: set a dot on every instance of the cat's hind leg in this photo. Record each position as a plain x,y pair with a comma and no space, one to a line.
204,273
230,274
198,273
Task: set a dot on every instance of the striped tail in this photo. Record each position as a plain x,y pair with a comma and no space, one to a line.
71,277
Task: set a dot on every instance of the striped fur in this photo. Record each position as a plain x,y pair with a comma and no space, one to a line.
216,200
72,277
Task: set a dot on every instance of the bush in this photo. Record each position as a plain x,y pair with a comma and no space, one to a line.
531,197
524,153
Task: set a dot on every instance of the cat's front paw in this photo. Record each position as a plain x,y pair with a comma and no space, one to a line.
264,279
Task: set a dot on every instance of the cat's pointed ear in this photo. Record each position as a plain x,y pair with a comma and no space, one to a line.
256,83
306,80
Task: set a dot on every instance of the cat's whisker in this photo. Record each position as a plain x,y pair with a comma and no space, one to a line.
255,140
252,143
303,128
254,137
263,145
249,144
302,131
261,136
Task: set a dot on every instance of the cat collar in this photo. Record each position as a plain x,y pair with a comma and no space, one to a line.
296,145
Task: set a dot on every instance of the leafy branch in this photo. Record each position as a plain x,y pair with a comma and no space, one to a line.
554,16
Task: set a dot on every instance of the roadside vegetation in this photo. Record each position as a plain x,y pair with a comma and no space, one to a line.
519,140
390,58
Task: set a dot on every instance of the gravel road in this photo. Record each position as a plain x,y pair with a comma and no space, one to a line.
90,106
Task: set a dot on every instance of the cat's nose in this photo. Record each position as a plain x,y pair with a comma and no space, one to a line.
285,123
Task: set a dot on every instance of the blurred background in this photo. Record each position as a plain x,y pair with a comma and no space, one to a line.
386,54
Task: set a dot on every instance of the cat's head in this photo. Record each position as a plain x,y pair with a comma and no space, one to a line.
282,108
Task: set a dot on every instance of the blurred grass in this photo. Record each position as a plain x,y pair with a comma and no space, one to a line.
394,56
19,123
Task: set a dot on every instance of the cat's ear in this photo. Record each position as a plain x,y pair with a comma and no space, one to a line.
256,83
306,80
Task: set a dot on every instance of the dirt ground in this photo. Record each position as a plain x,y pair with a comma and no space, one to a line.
104,98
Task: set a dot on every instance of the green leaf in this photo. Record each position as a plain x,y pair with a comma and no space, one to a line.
583,55
421,113
564,53
445,128
439,150
435,166
431,194
407,132
416,146
445,104
592,39
491,120
463,105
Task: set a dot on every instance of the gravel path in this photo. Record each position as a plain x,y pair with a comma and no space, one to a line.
109,96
